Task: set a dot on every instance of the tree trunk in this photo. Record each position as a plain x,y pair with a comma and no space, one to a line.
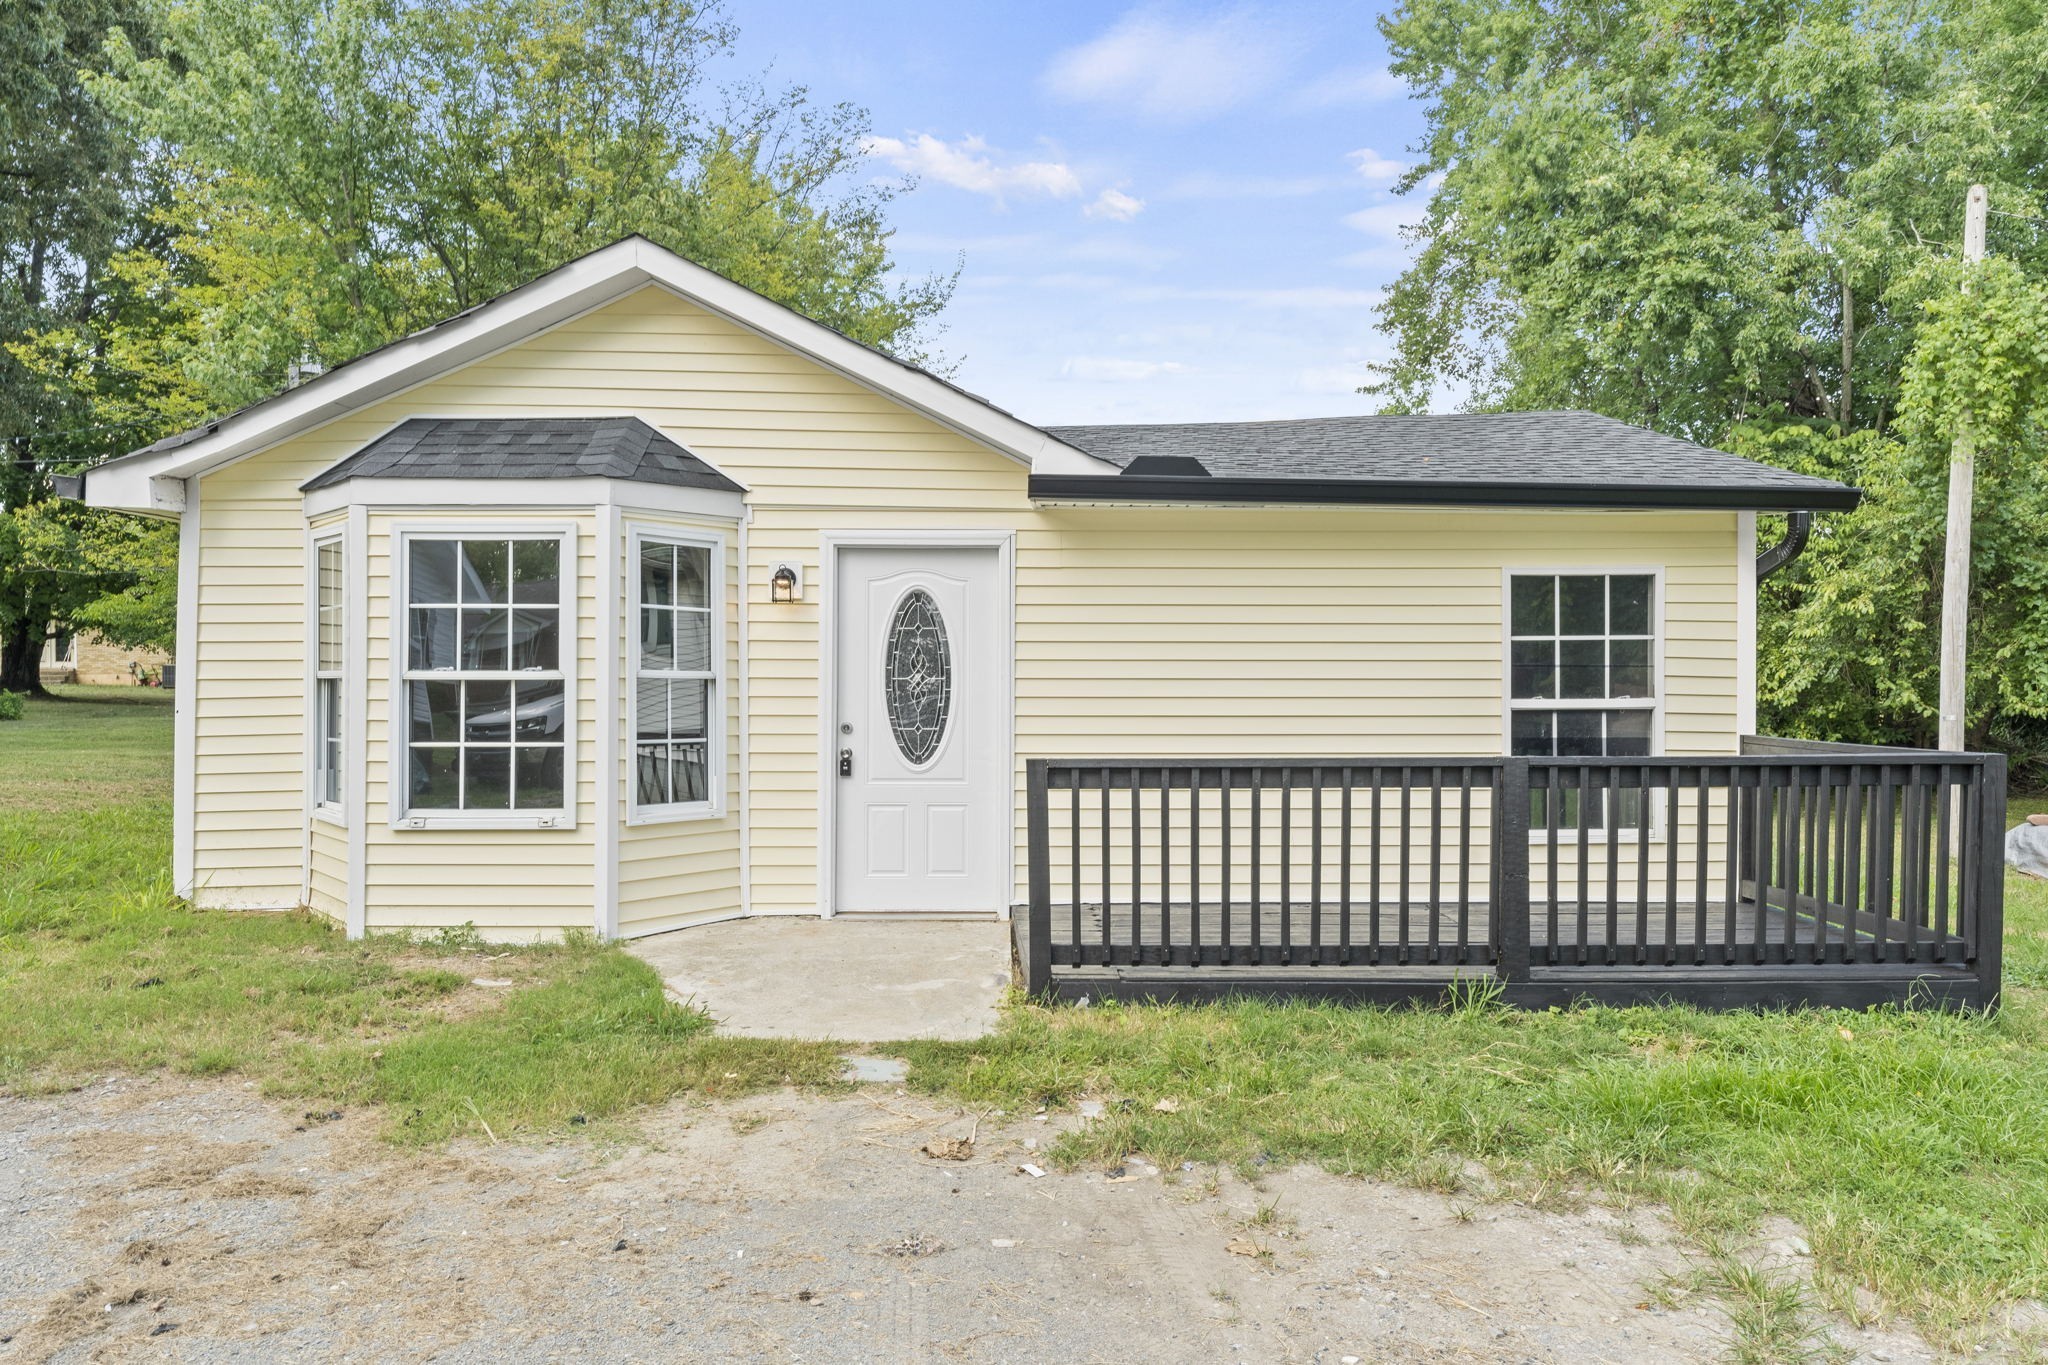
21,658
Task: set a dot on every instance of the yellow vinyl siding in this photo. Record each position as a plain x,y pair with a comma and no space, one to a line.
327,869
1139,631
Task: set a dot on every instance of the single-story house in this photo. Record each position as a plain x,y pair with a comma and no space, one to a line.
632,600
83,657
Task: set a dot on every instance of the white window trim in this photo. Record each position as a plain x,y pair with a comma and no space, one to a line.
335,811
396,627
715,702
1654,703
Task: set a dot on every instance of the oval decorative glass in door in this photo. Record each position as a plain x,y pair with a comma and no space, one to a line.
917,676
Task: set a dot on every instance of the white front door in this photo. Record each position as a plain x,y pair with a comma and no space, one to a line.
920,733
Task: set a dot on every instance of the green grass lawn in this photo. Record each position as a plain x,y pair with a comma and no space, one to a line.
1911,1148
103,971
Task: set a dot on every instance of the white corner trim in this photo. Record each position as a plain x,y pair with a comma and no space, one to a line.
586,283
1745,627
185,701
355,722
743,761
830,543
610,656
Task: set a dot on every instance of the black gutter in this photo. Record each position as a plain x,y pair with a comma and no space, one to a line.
1798,527
1413,492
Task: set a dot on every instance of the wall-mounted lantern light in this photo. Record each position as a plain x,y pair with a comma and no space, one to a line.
786,583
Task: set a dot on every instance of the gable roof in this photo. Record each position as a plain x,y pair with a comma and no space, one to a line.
586,283
1554,459
1529,459
526,448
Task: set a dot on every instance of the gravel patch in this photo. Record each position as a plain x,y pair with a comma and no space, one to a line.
160,1219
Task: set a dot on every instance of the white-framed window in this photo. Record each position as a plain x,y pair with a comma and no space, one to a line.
329,620
1583,667
677,674
486,703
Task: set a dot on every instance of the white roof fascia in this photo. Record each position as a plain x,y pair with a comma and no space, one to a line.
578,287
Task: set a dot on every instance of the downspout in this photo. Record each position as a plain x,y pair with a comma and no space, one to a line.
1798,527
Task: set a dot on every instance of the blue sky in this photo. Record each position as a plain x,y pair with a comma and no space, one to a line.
1167,212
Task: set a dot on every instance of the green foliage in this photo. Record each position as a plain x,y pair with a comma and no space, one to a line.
342,174
12,705
216,191
75,191
1739,222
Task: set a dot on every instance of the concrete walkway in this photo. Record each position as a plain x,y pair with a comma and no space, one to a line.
850,980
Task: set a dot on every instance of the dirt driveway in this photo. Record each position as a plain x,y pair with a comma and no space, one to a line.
173,1220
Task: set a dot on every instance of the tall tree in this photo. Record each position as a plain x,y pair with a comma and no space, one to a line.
1728,219
69,192
345,171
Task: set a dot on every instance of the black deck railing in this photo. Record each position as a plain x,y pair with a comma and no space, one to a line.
1802,871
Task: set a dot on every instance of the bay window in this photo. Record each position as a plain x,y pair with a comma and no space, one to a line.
486,701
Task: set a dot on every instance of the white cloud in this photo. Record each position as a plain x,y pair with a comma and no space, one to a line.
1114,370
970,165
1384,222
1341,378
1350,86
1114,205
1372,166
1174,68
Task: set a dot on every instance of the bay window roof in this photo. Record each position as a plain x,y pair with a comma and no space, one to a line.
526,448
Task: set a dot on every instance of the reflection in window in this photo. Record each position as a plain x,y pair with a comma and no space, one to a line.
486,697
327,672
675,675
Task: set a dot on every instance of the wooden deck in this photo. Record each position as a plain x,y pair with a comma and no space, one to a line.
1449,935
1792,873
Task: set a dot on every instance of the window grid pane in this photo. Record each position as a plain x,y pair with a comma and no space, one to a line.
329,587
1583,638
478,607
675,673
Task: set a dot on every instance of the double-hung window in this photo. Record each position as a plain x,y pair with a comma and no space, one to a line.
676,672
486,707
1582,654
328,600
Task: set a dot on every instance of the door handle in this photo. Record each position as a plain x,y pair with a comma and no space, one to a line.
846,763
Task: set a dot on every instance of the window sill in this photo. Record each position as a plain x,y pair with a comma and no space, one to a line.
1569,838
330,814
674,815
555,822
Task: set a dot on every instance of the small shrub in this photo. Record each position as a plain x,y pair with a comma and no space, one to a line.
12,705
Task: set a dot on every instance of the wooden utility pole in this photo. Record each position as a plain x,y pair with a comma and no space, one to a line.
1962,491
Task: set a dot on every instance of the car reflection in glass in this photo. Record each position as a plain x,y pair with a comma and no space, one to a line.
538,719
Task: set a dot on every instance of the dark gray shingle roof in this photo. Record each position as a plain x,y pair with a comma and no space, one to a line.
1477,457
526,448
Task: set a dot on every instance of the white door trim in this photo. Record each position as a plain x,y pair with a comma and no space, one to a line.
830,543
